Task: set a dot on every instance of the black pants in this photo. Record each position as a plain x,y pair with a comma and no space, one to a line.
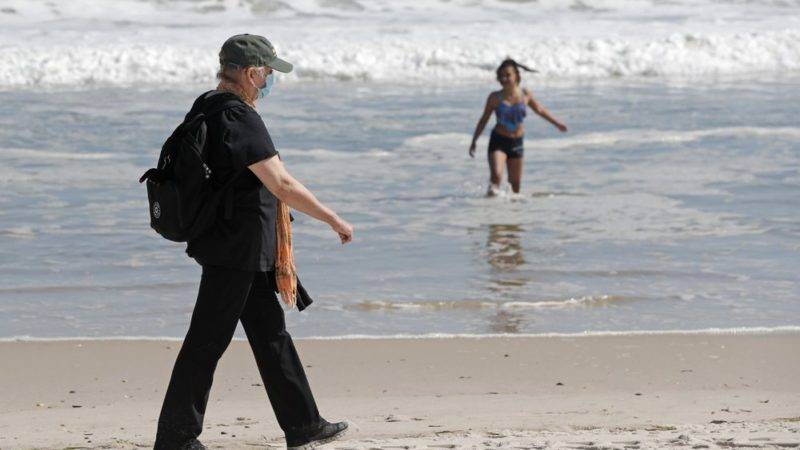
227,296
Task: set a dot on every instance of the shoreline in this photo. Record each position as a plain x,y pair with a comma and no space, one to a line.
735,331
528,392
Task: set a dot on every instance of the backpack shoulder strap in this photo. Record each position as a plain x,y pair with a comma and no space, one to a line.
226,190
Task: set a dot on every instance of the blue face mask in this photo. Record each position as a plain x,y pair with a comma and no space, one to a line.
263,91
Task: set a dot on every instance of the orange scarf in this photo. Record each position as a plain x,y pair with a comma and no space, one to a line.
285,271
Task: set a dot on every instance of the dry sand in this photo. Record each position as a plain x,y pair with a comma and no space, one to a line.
646,391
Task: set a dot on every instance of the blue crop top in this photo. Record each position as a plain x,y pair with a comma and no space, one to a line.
509,116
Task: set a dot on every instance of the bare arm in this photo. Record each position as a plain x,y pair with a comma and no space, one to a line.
539,109
491,104
283,185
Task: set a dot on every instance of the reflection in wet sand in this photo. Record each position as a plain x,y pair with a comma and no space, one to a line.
505,256
505,322
504,248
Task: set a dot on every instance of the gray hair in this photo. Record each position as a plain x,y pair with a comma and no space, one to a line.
227,70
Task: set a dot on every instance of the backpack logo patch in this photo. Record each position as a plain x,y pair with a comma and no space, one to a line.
156,210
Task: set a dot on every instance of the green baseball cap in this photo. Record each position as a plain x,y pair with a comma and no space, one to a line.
251,50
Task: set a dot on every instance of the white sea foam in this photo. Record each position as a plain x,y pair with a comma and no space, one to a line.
697,332
326,154
91,42
573,302
28,154
21,231
629,137
738,331
436,142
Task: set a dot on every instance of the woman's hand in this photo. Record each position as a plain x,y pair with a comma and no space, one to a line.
472,150
344,229
561,127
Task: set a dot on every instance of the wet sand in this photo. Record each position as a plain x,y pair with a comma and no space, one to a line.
646,391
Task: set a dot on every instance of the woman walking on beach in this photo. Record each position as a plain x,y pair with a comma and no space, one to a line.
246,257
505,143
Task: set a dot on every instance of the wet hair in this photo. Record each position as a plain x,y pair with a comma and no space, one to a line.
508,62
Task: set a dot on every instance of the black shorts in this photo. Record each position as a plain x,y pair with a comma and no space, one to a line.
512,147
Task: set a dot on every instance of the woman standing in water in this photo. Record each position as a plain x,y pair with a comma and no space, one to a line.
505,144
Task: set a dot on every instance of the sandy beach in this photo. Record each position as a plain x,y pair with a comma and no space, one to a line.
640,391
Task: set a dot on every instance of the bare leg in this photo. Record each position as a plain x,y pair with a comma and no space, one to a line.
515,173
497,161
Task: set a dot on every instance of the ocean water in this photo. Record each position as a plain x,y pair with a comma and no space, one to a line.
672,203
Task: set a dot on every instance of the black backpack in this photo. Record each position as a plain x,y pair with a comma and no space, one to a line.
182,197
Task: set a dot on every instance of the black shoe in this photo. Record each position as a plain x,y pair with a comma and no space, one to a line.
194,444
324,433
